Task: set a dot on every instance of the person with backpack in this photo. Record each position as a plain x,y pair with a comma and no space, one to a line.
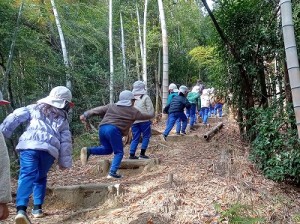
205,104
141,127
173,91
193,98
176,112
47,137
117,119
219,105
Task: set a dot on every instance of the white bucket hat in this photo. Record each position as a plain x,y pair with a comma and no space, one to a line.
173,87
183,89
125,98
139,88
2,101
58,97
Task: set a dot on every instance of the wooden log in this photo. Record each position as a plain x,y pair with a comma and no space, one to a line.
84,195
128,163
213,131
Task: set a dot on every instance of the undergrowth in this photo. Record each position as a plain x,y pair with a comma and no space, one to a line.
276,148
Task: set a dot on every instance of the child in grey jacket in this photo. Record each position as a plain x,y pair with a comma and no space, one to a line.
47,137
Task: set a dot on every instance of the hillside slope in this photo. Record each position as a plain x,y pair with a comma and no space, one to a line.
197,181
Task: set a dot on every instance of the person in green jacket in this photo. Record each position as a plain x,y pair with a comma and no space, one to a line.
194,98
173,91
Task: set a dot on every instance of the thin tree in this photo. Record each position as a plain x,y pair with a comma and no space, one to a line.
123,53
111,62
165,57
145,44
140,34
291,56
63,46
6,81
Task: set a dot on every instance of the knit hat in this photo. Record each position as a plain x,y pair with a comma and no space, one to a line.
183,89
173,87
125,98
58,97
2,101
139,88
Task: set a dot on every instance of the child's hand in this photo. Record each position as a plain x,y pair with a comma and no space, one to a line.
82,118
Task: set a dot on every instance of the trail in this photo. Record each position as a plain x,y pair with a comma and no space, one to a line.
208,177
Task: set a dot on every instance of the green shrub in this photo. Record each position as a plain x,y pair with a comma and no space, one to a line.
275,150
238,214
84,140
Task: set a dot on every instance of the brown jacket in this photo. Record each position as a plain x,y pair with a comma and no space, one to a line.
5,188
120,116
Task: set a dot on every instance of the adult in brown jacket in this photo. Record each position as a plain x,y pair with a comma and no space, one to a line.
116,122
5,188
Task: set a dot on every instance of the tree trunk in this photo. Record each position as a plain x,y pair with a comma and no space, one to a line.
140,34
111,60
262,82
145,44
63,46
157,82
7,80
123,54
165,82
291,56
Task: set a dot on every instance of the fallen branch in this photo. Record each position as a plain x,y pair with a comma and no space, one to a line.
213,131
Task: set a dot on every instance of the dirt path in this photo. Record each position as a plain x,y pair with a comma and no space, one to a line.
208,177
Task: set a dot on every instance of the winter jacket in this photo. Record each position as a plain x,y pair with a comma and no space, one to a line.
178,104
49,133
144,104
5,188
171,96
205,99
120,116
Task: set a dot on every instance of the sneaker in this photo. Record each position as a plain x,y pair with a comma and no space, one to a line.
133,157
143,157
183,133
177,133
114,175
22,218
192,129
38,213
84,155
163,137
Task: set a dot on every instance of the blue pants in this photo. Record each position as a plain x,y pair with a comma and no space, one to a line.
137,130
204,111
180,116
34,166
191,112
111,139
211,110
218,107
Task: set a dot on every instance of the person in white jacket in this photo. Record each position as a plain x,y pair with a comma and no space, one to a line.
141,127
5,187
205,103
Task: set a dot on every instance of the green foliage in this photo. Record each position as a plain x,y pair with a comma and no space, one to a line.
85,140
238,214
296,218
275,149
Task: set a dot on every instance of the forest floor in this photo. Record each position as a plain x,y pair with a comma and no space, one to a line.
213,182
